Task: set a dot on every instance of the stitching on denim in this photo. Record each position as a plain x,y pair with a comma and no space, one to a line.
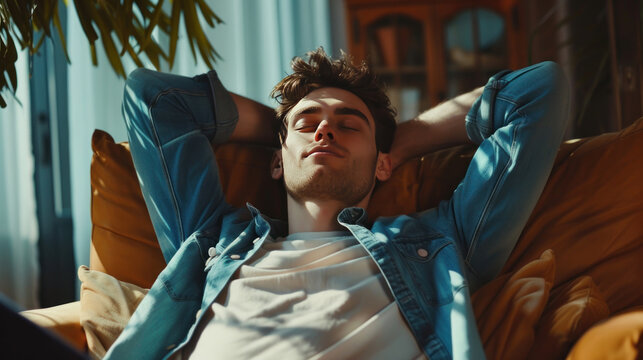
198,245
509,100
460,287
170,291
163,161
433,234
492,198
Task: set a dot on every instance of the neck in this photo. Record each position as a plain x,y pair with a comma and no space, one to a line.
315,215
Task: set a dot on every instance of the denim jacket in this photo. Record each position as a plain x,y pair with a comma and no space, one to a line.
431,260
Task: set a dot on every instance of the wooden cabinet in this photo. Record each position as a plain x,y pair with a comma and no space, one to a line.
431,50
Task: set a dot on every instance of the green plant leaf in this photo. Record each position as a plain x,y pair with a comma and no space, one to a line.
154,20
61,36
122,30
12,56
174,30
85,18
92,51
189,15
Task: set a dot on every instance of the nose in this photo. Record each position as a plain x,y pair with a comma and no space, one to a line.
324,130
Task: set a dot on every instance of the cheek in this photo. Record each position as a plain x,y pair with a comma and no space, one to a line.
367,151
288,154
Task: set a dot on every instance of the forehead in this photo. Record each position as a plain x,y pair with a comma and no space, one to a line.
330,98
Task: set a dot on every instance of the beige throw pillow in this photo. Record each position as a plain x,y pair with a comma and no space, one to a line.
106,305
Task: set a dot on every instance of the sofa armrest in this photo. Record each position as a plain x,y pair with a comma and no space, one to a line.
64,320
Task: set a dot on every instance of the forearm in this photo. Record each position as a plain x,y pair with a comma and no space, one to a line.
441,126
257,123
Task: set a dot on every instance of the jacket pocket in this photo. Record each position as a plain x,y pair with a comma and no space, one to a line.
432,265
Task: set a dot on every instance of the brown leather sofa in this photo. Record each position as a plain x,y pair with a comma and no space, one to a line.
581,299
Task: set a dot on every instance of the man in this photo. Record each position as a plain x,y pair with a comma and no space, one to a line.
329,284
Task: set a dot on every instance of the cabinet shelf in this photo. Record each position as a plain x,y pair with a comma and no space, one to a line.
435,48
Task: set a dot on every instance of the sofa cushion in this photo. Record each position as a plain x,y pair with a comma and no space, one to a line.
123,239
572,309
591,214
63,320
508,308
106,306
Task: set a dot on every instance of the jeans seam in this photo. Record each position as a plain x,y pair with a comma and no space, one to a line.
492,198
159,148
506,99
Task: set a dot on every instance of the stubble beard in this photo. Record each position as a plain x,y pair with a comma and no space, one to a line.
345,186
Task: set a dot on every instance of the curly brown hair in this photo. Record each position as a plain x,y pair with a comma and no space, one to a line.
321,71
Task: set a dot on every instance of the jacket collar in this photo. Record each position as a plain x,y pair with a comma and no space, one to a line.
277,228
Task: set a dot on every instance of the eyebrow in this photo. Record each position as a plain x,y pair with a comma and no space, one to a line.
339,111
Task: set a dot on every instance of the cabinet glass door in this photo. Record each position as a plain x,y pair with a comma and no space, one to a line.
475,48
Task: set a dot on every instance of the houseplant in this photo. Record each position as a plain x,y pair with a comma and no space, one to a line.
124,27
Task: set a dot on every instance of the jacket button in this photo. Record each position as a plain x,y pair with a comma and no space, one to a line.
423,253
235,257
212,252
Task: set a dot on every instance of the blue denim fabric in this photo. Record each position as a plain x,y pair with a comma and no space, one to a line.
518,123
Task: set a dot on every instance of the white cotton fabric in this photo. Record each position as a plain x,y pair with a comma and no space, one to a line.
310,295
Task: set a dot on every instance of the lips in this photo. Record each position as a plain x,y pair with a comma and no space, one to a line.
324,150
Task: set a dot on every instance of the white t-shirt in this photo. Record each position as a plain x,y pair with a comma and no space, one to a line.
310,295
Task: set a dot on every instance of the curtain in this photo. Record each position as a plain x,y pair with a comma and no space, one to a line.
18,219
257,42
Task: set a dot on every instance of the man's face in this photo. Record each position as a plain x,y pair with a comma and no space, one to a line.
329,152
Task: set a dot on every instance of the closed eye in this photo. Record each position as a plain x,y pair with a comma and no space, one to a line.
350,123
306,128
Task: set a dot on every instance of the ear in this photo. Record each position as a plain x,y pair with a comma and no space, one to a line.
276,167
384,169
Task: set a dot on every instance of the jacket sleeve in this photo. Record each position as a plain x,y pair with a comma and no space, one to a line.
171,121
518,122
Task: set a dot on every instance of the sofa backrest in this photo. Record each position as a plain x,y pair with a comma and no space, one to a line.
591,208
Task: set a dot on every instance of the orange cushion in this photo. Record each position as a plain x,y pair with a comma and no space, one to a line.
106,305
620,337
591,214
63,320
123,240
572,309
508,308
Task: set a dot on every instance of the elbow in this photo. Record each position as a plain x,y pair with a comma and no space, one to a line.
554,81
137,86
555,91
141,88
